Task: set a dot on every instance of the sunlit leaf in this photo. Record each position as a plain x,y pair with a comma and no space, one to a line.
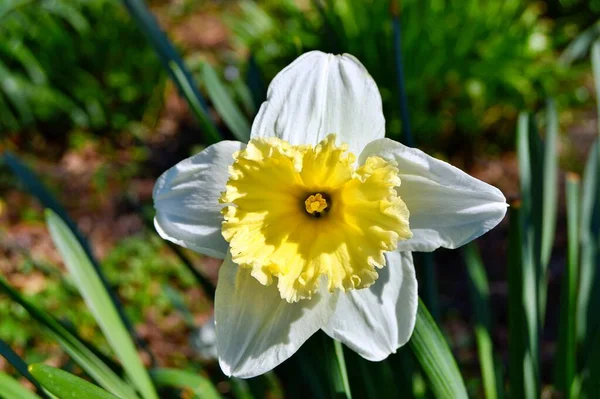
98,300
66,385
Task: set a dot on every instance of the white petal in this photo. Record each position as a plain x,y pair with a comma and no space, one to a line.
376,321
256,329
319,94
186,199
448,208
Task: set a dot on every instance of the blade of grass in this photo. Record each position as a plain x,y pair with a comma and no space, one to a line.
433,354
66,385
79,352
480,292
19,364
12,389
566,352
195,384
224,104
174,65
36,188
98,300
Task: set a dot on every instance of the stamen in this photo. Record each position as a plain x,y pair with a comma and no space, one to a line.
315,203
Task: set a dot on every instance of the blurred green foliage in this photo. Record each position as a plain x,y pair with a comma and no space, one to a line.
72,63
469,65
138,263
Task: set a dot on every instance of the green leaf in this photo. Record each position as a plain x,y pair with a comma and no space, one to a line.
66,385
174,65
566,351
81,354
480,292
98,300
39,190
579,47
550,179
588,301
596,72
523,352
339,373
12,389
548,202
227,108
433,354
19,364
198,385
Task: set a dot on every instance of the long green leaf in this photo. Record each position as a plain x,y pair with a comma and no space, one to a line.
339,371
532,275
12,389
548,203
566,352
66,385
596,72
80,353
227,108
480,292
199,386
550,178
99,302
588,317
41,192
19,364
433,354
174,65
523,354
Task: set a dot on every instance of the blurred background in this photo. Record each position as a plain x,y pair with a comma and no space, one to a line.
91,105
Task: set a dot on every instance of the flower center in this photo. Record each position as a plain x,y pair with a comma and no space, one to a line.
315,204
307,215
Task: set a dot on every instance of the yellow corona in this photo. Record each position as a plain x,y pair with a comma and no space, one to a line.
300,213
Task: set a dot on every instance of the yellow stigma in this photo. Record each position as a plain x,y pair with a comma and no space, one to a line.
315,204
304,215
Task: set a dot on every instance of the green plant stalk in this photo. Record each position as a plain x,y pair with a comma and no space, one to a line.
433,354
595,55
523,359
341,368
479,289
567,340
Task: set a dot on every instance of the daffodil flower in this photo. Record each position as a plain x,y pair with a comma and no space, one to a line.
316,218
